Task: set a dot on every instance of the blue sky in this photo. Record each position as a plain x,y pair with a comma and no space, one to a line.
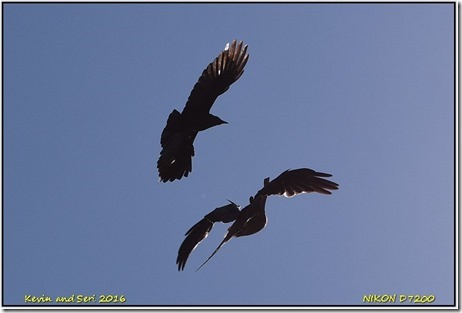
362,91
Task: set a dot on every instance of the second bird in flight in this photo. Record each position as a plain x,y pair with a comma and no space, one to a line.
178,136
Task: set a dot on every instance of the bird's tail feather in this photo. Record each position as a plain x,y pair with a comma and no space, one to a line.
216,250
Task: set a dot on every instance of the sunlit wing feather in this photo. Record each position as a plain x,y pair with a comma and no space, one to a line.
294,182
216,78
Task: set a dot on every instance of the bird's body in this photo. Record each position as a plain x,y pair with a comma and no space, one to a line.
252,218
178,136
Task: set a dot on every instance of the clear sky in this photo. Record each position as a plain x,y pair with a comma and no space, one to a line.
362,91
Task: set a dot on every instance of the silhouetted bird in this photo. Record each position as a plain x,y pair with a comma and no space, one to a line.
252,218
178,136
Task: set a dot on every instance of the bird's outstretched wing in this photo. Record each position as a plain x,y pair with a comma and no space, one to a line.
293,182
195,235
224,214
219,75
201,229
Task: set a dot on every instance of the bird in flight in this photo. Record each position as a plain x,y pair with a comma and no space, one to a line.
177,138
252,218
